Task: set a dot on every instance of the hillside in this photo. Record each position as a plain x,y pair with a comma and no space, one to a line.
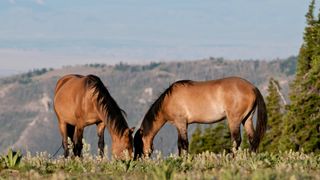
28,122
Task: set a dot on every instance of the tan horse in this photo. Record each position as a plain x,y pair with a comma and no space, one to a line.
81,101
186,102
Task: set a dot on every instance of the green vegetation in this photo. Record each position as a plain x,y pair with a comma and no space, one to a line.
271,141
122,66
288,66
245,141
136,68
95,65
290,149
21,102
282,165
214,139
302,120
151,66
297,126
12,159
25,78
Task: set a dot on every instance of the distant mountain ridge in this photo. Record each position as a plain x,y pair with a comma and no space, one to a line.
7,72
27,123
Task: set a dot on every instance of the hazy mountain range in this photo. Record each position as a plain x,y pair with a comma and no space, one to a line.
27,120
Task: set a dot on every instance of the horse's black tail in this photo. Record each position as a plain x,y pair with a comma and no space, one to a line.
261,120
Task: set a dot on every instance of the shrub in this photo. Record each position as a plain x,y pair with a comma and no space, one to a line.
12,159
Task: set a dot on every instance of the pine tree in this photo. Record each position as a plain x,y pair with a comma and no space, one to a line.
214,139
196,143
245,141
271,140
304,59
303,117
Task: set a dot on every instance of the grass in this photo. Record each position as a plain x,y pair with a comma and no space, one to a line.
283,165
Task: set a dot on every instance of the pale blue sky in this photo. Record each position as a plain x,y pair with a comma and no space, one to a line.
52,33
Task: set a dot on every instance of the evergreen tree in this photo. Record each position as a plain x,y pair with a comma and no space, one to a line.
270,141
196,143
245,141
214,139
303,117
304,59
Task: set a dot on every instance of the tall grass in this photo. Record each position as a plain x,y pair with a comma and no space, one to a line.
244,165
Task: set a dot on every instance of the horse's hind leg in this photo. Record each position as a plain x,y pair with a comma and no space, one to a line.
183,143
248,126
63,131
234,126
100,131
77,139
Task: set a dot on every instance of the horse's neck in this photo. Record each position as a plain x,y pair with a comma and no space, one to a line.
153,130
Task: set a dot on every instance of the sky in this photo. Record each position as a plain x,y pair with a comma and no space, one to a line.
53,33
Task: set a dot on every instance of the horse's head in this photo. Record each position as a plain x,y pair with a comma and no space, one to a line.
122,147
138,144
139,147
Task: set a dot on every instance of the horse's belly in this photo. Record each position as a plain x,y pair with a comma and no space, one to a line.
208,119
207,116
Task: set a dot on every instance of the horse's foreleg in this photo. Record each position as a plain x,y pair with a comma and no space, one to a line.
63,131
183,143
100,131
77,139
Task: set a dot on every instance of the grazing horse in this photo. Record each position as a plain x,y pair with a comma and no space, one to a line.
81,101
186,102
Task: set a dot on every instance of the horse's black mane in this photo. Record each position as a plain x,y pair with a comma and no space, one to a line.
115,117
152,113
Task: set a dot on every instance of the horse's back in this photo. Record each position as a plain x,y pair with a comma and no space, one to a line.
234,81
209,101
227,87
238,94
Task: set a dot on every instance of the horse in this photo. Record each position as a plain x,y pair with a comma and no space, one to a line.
185,102
81,101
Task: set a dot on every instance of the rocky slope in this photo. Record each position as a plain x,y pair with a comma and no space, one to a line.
28,122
